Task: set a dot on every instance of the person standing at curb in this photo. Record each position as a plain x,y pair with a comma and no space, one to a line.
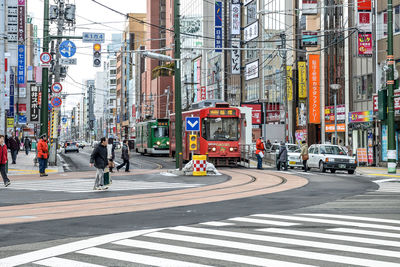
125,157
27,145
43,155
14,146
282,157
260,150
99,159
304,154
3,161
111,153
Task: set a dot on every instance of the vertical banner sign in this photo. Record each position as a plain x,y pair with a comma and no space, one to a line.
302,79
289,83
364,44
21,21
235,57
218,27
10,113
203,93
21,64
314,87
235,17
34,105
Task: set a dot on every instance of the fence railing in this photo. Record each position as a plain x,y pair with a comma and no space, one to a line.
248,154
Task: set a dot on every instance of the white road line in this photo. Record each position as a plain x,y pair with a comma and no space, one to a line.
330,236
57,262
256,261
259,221
306,173
364,232
297,242
270,249
217,223
137,258
346,217
326,221
68,248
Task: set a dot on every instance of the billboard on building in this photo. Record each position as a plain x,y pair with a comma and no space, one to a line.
309,38
235,17
256,112
364,41
364,21
302,79
251,31
314,87
364,5
251,70
310,7
289,83
235,57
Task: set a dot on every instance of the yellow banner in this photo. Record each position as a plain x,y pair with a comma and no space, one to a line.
302,79
10,122
289,83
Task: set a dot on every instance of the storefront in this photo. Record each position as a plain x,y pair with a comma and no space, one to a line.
330,124
362,132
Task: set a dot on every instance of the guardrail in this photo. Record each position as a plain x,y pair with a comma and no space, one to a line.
248,154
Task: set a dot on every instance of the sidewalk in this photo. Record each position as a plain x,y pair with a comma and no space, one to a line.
377,171
25,165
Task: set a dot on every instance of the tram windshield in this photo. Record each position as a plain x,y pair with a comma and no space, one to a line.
160,132
220,129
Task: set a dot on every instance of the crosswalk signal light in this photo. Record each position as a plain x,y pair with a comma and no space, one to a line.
192,142
96,55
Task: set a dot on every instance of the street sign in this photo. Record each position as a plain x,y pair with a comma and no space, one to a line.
56,101
67,48
64,120
68,61
56,88
50,107
93,37
45,57
192,124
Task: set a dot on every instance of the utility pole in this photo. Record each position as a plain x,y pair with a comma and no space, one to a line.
390,87
284,80
2,65
177,94
44,110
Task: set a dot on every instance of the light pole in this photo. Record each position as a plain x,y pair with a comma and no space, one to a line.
335,88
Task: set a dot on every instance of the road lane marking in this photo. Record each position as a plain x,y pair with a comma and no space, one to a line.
365,232
326,221
57,262
347,217
256,261
330,236
259,221
68,248
217,223
259,248
137,258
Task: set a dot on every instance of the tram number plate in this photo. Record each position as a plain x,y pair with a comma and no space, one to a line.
342,166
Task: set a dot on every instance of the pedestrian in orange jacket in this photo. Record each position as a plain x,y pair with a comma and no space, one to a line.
43,154
260,149
3,161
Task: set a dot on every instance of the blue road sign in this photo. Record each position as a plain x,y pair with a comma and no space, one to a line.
192,124
56,101
64,120
50,107
67,48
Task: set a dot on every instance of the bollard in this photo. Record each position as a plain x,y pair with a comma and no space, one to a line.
199,165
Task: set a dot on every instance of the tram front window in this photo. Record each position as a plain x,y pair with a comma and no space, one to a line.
220,129
161,132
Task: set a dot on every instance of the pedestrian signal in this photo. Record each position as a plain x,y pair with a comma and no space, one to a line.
192,142
96,55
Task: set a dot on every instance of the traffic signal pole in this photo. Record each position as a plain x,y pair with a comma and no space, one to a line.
44,109
177,95
390,87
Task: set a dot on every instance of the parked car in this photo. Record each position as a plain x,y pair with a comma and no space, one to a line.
70,146
330,157
294,160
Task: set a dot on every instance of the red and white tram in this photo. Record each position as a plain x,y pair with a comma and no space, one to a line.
218,137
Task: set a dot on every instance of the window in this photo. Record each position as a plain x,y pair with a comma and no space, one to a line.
220,129
363,87
311,150
332,150
161,132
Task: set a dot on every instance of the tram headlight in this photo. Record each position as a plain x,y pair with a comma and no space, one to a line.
167,143
158,143
231,149
214,149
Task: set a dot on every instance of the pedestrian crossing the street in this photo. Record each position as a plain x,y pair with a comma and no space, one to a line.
86,185
304,239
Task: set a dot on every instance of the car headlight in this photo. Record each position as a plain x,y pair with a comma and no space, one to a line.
214,149
231,149
352,161
158,143
168,143
330,160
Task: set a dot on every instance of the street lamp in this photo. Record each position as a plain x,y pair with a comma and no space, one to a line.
335,88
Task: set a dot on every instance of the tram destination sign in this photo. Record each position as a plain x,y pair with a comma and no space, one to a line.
223,112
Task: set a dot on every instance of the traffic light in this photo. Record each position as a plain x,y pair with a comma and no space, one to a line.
96,55
192,142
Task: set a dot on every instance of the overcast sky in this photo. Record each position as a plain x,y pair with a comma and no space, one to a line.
88,12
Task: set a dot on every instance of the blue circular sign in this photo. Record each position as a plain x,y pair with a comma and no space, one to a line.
50,107
64,120
67,48
56,101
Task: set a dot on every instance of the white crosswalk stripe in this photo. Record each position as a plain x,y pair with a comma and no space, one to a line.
391,185
307,239
86,185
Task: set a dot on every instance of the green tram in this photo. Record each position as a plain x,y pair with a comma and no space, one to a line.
152,137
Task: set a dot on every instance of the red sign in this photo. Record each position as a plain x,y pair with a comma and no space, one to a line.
364,44
22,108
330,128
203,93
375,102
315,90
396,98
255,113
364,5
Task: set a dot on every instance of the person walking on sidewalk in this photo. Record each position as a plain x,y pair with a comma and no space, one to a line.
99,159
111,153
14,146
304,154
260,150
3,161
282,157
125,157
27,145
43,155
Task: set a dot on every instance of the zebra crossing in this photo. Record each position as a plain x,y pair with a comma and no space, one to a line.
303,239
389,185
86,185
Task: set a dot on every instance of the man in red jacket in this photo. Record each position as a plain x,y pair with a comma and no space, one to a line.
43,155
3,161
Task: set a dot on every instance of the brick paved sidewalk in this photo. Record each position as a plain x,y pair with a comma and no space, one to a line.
25,165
